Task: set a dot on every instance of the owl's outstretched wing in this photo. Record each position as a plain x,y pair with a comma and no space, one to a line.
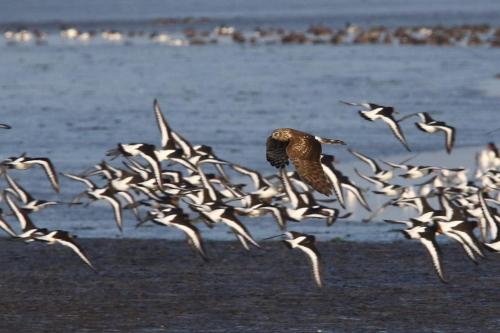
305,153
276,152
312,173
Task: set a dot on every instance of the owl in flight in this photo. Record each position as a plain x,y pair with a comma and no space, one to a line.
305,152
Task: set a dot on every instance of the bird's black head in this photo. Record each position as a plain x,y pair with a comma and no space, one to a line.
328,159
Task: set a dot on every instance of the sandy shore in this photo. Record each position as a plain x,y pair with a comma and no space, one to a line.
157,285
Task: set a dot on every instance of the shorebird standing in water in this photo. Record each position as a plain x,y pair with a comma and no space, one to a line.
305,152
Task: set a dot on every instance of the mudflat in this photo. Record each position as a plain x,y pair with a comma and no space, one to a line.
158,285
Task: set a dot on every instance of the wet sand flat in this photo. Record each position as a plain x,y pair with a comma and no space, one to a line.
157,285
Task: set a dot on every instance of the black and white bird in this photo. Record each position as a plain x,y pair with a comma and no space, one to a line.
104,170
278,212
383,187
493,244
462,231
30,204
220,213
186,154
304,206
5,226
426,234
491,226
263,187
429,125
29,231
175,217
334,176
419,203
488,158
452,221
341,182
167,139
143,180
23,162
64,238
144,150
378,172
5,126
306,243
413,171
105,193
374,112
208,193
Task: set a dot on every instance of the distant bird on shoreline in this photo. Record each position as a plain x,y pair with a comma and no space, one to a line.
305,152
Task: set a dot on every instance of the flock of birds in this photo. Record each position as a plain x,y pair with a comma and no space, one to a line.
22,204
465,35
177,185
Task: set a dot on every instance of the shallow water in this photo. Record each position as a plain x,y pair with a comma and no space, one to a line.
72,102
75,102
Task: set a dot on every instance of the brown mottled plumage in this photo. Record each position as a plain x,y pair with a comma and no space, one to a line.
305,151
